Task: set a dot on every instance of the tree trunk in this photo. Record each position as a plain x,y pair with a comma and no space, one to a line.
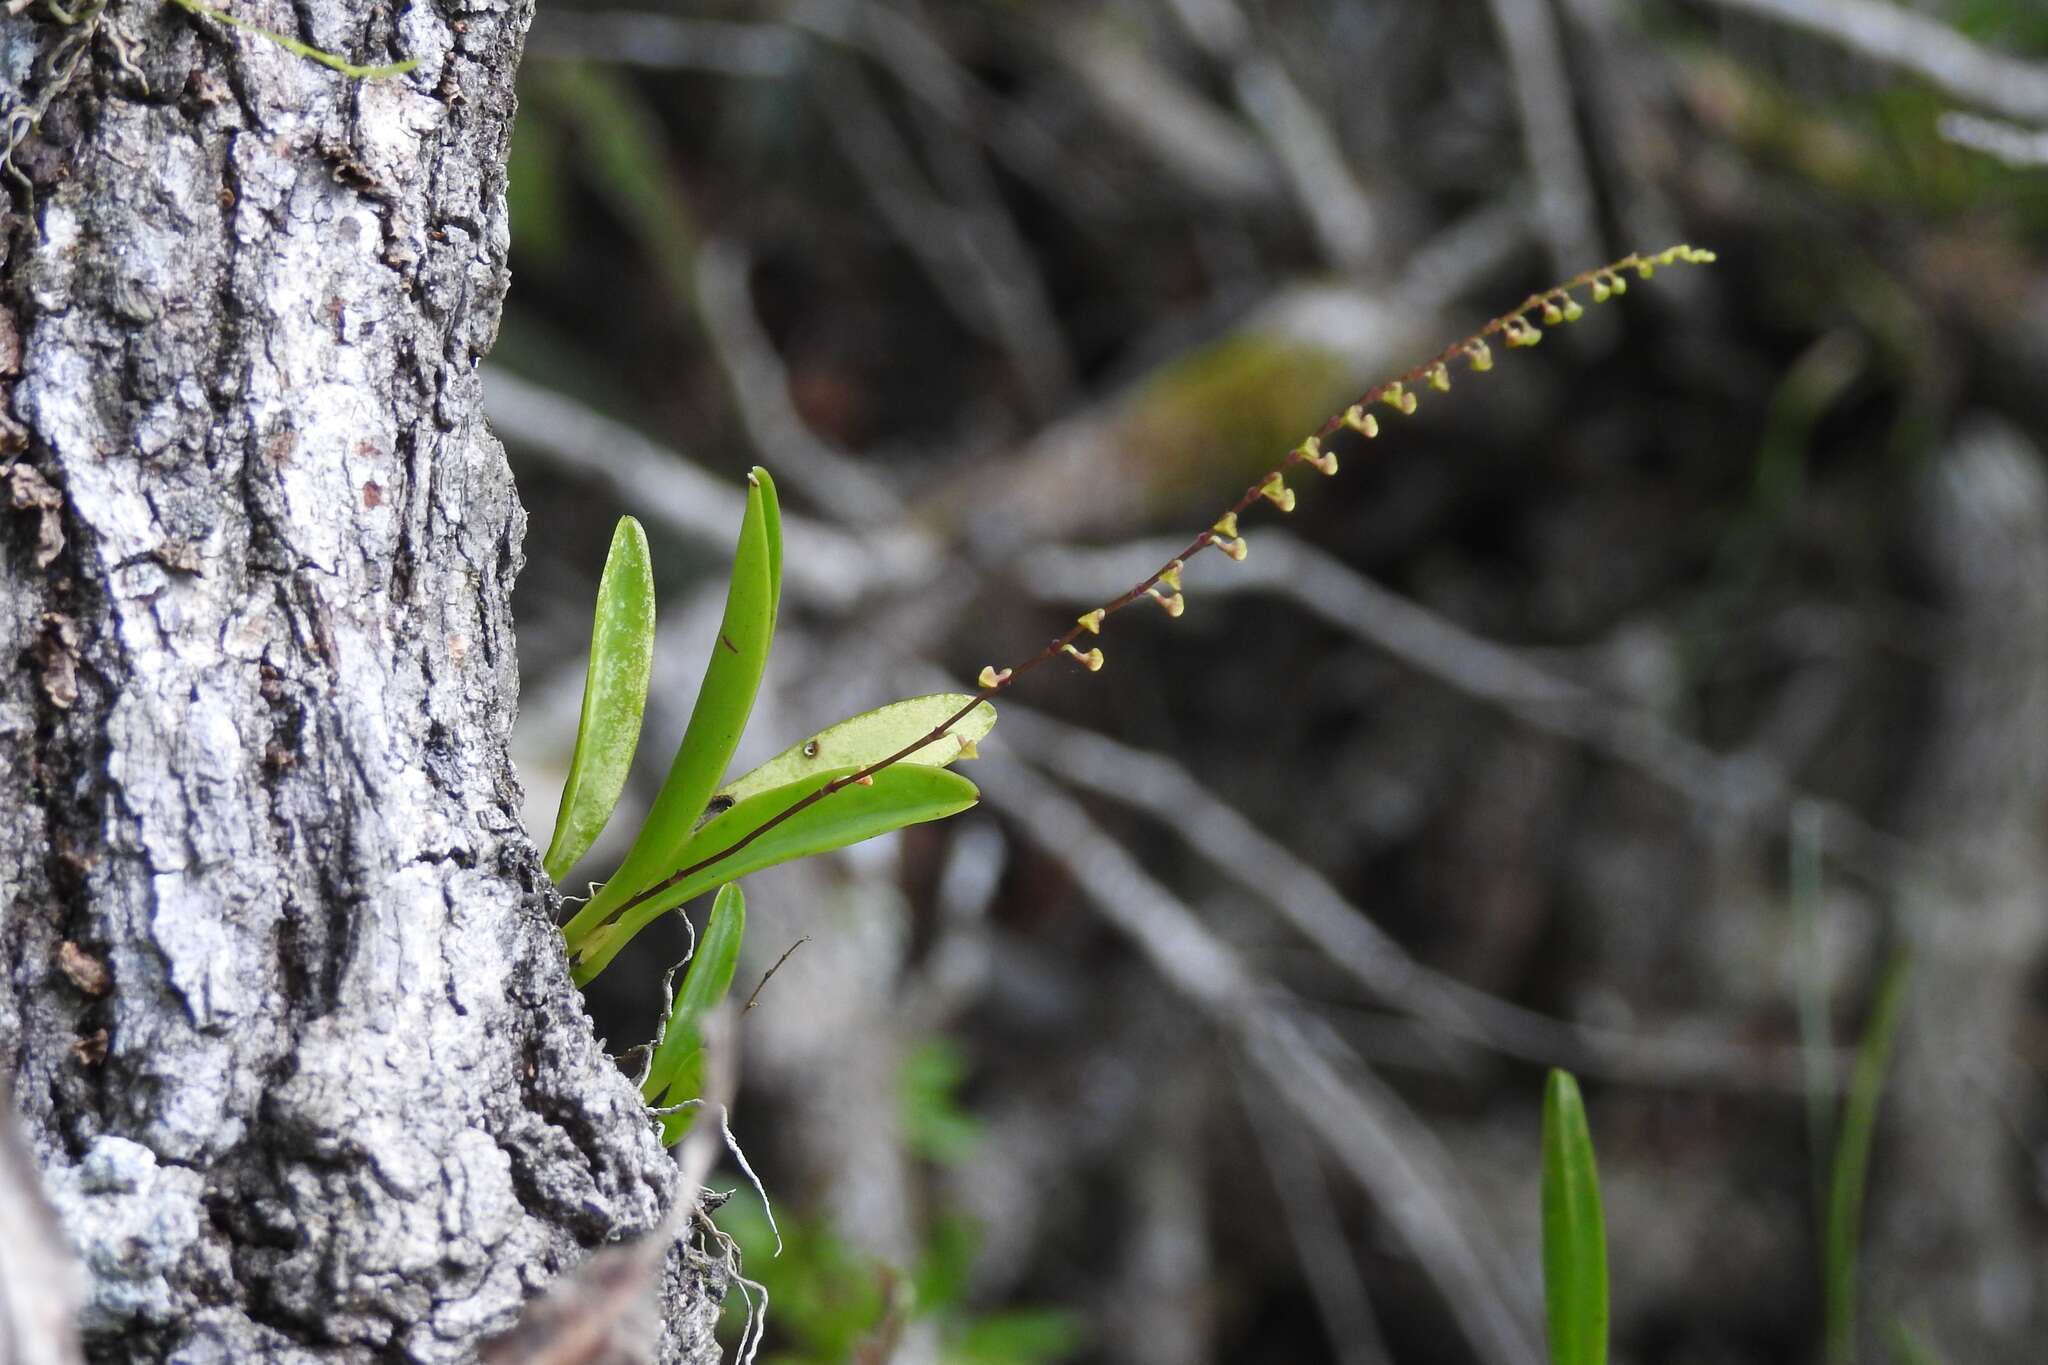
287,1017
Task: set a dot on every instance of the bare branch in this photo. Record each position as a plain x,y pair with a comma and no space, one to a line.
1230,844
1741,788
1550,139
960,233
1302,141
2020,148
1904,38
1372,1134
1320,1248
665,42
663,486
760,385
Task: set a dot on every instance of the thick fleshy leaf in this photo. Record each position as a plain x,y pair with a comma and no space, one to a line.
676,1073
724,700
1574,1234
771,515
869,738
614,698
898,796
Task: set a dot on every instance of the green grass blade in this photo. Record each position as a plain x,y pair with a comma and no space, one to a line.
1574,1234
871,737
614,698
724,700
676,1073
899,796
1852,1164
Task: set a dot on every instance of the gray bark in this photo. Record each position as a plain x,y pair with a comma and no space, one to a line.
287,1017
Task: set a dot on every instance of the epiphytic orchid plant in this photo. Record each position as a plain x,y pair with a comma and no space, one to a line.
875,772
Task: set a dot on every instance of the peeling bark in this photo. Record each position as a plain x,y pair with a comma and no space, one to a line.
288,1020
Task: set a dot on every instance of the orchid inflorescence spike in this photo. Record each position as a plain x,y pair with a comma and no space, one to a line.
1552,307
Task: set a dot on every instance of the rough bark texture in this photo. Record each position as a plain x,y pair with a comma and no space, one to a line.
287,1017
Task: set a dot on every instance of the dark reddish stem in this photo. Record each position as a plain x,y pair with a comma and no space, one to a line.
1510,324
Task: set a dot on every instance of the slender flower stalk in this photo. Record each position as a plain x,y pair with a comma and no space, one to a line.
1514,329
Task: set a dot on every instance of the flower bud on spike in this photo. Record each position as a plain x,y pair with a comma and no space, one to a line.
1552,314
1618,283
1310,451
1572,310
1324,462
1276,491
1173,604
1482,356
1092,622
990,680
1361,421
1644,270
967,751
1226,525
1236,549
1092,660
1520,333
1396,395
1170,576
1440,378
1601,293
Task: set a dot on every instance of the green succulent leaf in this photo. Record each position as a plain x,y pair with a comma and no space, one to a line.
1574,1234
676,1073
724,700
771,515
614,698
871,737
903,795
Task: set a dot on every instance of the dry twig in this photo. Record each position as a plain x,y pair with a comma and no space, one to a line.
1931,50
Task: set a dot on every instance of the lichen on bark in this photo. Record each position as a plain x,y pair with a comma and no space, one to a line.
334,1096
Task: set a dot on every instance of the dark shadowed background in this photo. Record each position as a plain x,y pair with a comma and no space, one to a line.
1633,708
